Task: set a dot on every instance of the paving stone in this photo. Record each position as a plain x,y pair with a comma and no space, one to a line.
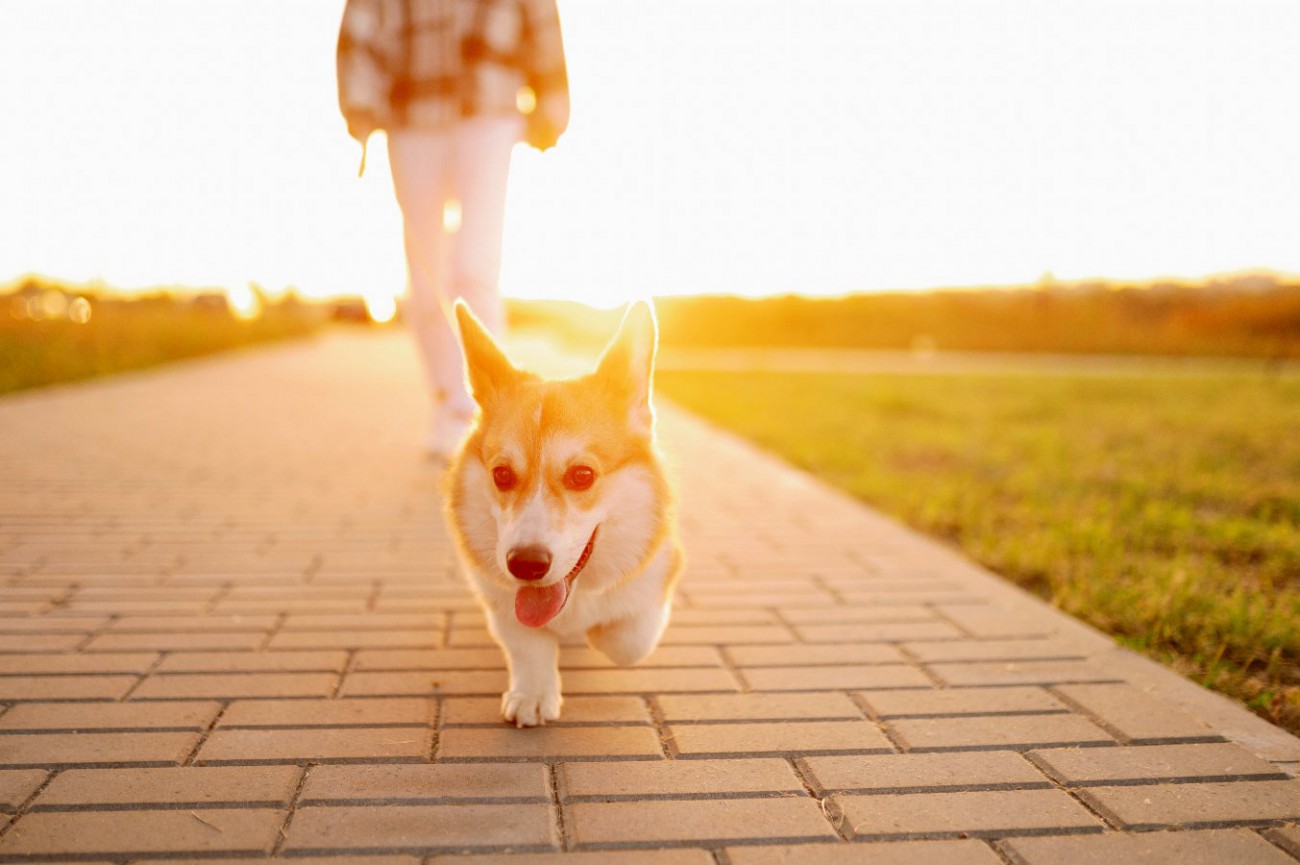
790,582
189,625
121,592
1221,847
110,716
1007,731
1195,805
24,608
394,712
1153,763
428,659
248,662
33,664
428,606
876,853
508,743
108,833
961,701
109,749
186,686
77,625
907,773
176,641
275,595
989,813
368,622
298,860
180,608
1288,838
789,737
425,683
911,598
582,657
719,635
835,678
993,650
699,821
286,606
621,681
687,616
577,710
171,787
18,784
757,707
885,632
810,596
1019,673
622,857
321,744
992,623
1136,716
355,639
420,828
426,783
34,643
462,636
65,687
643,680
788,656
859,615
686,778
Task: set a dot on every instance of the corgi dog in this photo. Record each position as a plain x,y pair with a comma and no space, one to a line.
561,511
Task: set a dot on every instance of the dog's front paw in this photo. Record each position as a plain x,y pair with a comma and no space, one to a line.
529,710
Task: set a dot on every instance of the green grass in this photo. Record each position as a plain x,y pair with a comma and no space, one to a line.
1249,316
1164,510
126,335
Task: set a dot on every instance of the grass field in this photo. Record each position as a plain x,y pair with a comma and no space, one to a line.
1162,509
132,334
1242,317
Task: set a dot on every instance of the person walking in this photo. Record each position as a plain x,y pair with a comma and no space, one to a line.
455,84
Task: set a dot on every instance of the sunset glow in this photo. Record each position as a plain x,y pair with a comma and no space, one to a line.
747,146
381,305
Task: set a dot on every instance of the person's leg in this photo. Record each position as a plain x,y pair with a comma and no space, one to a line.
481,155
421,166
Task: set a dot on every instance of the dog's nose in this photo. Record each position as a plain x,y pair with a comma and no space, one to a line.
529,563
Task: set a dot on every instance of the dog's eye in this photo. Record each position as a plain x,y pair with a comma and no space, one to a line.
504,477
579,477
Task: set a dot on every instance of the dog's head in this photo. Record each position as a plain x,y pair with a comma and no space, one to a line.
557,486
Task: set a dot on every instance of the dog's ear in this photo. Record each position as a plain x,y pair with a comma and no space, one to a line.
487,370
627,366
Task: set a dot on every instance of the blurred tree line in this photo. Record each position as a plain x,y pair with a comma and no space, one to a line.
1243,317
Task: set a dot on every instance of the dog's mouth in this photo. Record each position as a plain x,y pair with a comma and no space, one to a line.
537,605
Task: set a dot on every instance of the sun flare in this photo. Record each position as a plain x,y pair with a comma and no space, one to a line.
381,307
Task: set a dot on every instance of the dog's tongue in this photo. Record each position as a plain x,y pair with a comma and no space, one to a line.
537,605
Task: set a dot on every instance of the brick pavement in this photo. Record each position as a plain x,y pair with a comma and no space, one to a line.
230,628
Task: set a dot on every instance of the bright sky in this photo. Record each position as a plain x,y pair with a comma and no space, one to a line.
751,146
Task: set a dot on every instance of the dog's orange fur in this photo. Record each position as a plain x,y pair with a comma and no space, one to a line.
539,429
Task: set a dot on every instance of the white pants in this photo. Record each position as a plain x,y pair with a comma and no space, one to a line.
468,163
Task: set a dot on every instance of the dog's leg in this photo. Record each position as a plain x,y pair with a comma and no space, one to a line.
533,656
627,641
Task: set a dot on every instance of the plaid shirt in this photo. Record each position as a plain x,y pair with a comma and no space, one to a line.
428,63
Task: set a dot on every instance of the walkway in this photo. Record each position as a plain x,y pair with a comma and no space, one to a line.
230,628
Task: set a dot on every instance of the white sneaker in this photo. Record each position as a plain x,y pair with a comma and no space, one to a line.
445,435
